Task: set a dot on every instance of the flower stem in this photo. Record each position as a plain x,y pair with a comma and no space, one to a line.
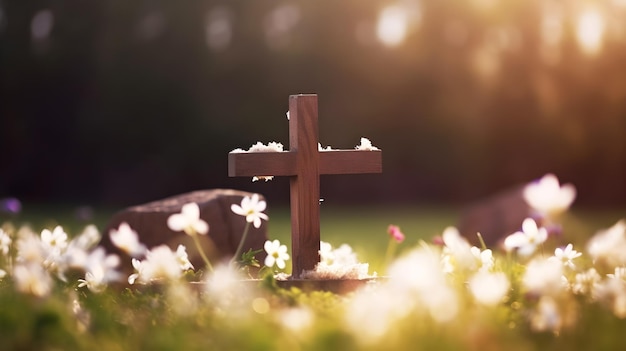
240,247
199,247
391,248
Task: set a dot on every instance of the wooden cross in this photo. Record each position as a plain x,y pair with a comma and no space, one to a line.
303,163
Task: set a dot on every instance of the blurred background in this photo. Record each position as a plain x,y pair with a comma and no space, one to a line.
115,103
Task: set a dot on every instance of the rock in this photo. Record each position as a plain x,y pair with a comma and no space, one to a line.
225,227
495,217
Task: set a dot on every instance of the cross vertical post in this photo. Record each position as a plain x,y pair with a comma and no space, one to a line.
304,164
305,186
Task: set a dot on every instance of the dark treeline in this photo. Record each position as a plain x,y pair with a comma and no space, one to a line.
119,102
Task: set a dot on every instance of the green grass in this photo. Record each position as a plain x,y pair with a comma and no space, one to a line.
157,318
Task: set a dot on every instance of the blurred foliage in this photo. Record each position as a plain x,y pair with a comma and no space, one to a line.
122,102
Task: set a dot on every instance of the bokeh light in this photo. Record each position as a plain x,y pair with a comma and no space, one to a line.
392,25
590,30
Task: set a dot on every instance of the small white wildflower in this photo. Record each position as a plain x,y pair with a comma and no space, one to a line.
5,242
188,220
565,256
102,267
489,288
138,266
586,282
546,316
94,280
527,240
55,241
543,276
366,145
484,258
183,258
609,246
32,279
457,250
620,273
252,208
126,239
548,197
612,293
276,254
160,263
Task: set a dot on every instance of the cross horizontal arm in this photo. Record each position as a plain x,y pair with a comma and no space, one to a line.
351,161
249,164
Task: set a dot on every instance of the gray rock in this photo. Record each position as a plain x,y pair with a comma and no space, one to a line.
225,227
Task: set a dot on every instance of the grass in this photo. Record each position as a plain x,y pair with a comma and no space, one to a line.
164,318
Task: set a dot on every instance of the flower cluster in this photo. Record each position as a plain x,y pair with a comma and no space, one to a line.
35,262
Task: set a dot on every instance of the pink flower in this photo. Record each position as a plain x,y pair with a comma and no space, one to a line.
395,233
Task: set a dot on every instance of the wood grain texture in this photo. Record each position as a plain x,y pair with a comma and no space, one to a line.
304,163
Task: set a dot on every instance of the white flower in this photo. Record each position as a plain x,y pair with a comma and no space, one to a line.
457,253
489,288
3,273
366,145
126,239
102,267
29,248
160,263
546,316
32,279
94,280
183,258
612,292
528,239
548,197
276,254
543,277
565,256
609,246
188,220
5,242
252,208
484,258
55,241
586,282
138,266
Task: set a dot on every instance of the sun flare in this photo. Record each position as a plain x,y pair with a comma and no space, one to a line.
590,31
392,26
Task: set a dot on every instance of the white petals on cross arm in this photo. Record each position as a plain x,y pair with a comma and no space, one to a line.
127,240
366,145
188,220
252,208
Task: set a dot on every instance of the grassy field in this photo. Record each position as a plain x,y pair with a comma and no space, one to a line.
423,308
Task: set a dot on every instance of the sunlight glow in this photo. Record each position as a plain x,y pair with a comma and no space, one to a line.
392,26
41,25
218,29
590,31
